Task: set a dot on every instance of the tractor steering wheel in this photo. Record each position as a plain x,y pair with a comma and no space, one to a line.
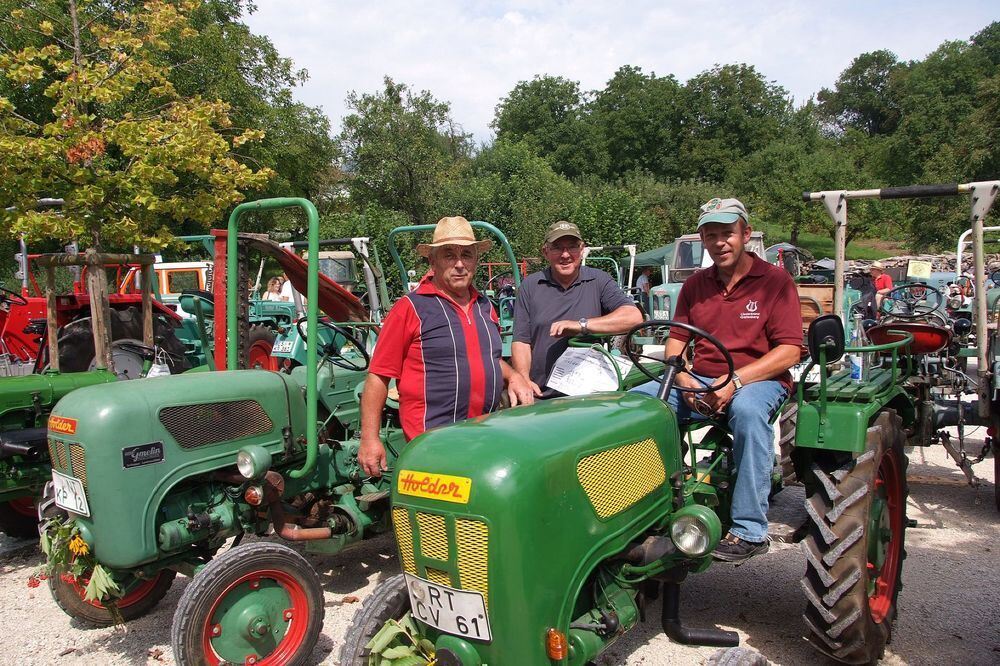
904,302
330,351
12,297
676,363
489,283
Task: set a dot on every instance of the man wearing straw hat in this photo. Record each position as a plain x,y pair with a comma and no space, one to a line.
441,343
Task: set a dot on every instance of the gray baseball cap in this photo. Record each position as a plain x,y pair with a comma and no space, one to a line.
723,211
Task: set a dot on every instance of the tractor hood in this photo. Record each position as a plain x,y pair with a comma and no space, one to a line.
129,443
533,498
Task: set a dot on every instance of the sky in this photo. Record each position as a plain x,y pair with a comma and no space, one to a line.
472,54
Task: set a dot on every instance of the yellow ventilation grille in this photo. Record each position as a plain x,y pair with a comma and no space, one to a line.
473,541
57,455
79,465
404,539
439,577
618,478
433,536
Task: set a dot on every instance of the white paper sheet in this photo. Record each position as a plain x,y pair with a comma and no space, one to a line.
583,370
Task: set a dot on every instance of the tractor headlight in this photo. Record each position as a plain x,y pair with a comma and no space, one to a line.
253,461
695,530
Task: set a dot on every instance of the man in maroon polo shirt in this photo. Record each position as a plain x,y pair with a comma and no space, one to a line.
441,343
752,308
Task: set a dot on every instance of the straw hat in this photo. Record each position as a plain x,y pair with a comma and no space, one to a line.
878,265
453,231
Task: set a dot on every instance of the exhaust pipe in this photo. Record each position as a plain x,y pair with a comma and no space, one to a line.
678,633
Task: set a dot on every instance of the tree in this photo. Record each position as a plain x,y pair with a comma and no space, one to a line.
399,148
638,116
728,112
114,137
864,96
549,113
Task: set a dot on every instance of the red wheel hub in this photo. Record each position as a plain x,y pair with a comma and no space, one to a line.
259,356
24,506
889,483
295,616
136,592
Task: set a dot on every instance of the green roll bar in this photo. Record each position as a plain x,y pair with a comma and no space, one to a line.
485,226
312,296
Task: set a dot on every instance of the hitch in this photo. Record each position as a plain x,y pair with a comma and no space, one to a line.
678,633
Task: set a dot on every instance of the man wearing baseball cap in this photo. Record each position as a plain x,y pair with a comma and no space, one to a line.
564,300
441,343
752,308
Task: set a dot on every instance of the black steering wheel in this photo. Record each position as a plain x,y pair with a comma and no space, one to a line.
675,364
489,283
331,352
12,297
909,301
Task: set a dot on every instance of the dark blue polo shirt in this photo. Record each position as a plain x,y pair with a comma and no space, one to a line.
542,300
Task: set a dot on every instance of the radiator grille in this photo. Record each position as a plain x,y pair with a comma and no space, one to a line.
473,543
79,463
214,422
618,478
57,455
404,539
439,577
433,536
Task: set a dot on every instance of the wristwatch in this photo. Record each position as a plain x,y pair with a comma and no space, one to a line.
583,326
736,381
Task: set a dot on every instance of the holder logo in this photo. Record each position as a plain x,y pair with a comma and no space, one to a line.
434,486
62,425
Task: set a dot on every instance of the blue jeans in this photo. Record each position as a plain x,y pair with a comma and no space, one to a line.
749,414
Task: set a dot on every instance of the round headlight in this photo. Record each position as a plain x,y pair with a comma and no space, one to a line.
690,536
253,461
695,530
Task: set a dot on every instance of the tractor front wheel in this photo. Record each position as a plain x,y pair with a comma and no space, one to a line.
19,518
390,601
257,603
139,596
854,548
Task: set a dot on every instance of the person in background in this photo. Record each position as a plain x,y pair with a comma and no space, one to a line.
273,292
286,289
441,343
883,283
564,300
643,283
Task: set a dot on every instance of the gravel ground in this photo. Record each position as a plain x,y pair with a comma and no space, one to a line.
949,611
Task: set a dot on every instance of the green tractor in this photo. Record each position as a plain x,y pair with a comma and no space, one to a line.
626,507
99,346
155,477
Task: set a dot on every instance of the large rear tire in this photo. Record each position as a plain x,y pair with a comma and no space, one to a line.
19,518
256,603
76,340
786,443
854,548
140,597
390,601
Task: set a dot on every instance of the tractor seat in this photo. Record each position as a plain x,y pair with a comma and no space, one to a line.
205,298
927,338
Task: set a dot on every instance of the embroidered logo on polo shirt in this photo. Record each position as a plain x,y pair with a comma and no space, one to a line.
751,311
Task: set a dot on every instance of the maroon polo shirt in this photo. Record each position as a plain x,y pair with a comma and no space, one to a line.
761,312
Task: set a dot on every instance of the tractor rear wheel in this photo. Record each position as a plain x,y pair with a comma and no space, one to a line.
390,601
19,518
260,341
76,340
138,598
854,548
256,603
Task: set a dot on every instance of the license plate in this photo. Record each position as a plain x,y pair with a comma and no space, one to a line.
456,612
282,347
69,494
661,314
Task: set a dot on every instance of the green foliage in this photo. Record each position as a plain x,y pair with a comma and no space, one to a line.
129,154
400,147
864,97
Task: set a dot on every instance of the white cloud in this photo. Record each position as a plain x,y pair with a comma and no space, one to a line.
473,53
